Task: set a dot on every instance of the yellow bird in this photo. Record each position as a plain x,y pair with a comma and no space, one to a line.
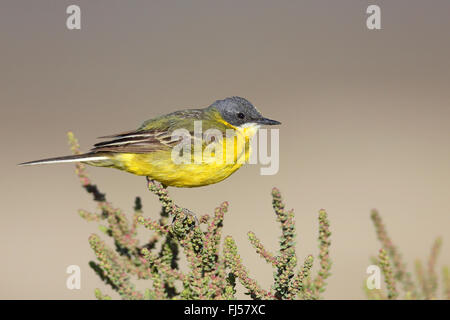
186,148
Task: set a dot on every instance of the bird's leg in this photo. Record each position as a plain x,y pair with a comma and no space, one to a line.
150,180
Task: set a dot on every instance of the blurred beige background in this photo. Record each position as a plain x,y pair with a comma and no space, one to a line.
365,123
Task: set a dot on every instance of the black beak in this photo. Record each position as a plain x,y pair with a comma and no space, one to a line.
268,122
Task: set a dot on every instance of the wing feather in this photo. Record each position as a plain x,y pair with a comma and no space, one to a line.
156,134
137,142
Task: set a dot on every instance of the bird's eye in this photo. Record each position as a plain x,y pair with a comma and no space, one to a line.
241,115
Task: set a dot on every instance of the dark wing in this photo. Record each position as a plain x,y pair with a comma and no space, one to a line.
154,134
143,141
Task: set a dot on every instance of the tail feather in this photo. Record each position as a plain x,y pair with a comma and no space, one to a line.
75,158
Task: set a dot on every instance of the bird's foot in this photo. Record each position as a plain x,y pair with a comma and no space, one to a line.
150,181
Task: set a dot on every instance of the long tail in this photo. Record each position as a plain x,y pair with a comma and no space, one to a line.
75,158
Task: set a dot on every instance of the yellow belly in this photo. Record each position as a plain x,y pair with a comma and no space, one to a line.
159,165
169,173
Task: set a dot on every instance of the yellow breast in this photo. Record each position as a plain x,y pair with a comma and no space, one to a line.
160,166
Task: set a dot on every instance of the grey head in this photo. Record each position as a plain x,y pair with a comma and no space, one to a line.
239,111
